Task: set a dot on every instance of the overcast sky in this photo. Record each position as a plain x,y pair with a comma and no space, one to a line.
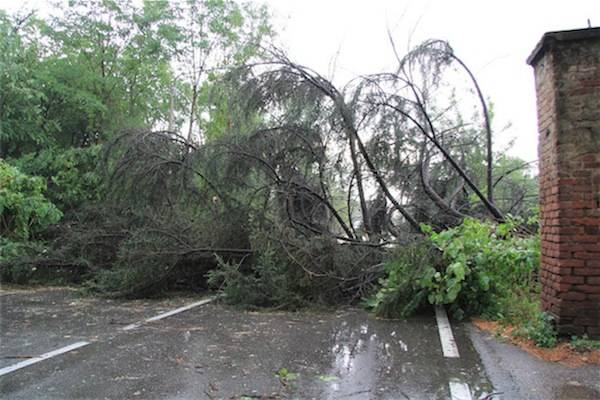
493,37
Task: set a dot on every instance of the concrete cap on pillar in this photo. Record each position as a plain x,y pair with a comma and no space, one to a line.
550,38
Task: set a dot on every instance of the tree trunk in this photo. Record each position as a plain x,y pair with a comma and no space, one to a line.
359,185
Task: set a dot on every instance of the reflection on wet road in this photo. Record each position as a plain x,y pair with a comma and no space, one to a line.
216,352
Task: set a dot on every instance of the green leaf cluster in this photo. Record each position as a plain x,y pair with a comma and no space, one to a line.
483,269
21,91
267,284
539,328
24,210
72,175
486,264
402,291
583,343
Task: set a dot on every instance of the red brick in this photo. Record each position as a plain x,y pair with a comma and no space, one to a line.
587,271
575,279
562,287
585,238
592,263
591,289
568,98
571,263
577,296
595,297
591,280
587,221
593,247
584,255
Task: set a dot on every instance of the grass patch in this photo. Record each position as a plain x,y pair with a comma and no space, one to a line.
583,344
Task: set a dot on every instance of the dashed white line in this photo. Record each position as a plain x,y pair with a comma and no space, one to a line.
449,348
166,314
71,347
459,391
45,356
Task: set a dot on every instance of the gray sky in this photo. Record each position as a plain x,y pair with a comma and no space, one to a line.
493,37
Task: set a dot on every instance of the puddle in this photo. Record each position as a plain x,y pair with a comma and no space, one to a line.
216,352
327,356
393,360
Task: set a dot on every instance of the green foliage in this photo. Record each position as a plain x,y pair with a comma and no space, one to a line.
486,269
81,77
109,68
24,210
21,111
583,343
225,34
286,375
485,264
402,292
264,284
538,328
72,175
77,79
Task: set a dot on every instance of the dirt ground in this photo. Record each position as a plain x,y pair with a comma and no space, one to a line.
563,353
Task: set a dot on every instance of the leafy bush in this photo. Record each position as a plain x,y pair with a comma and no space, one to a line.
540,329
485,269
24,210
24,213
72,175
265,285
487,266
402,291
583,343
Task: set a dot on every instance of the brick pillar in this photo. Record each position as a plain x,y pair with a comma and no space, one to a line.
567,75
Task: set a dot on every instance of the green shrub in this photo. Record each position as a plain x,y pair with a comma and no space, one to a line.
402,292
487,268
24,210
266,283
72,175
540,329
24,213
583,343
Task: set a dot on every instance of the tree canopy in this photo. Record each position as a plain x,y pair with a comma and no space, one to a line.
172,140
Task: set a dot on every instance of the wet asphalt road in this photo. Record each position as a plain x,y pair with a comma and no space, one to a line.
216,352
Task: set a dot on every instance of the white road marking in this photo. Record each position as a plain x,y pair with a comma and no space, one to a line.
45,356
66,349
459,391
166,314
449,348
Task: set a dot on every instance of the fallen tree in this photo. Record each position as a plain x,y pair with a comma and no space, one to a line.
300,191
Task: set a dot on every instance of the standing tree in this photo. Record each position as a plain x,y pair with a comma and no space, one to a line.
213,36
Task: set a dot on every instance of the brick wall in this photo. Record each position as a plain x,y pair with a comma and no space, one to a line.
567,74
